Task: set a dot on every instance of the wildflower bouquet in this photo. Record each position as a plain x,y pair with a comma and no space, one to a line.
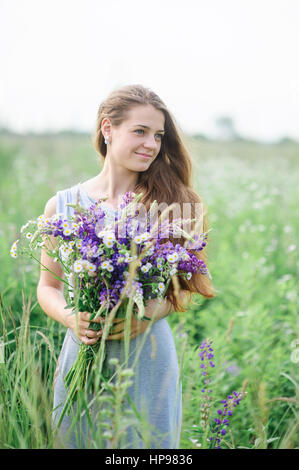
111,270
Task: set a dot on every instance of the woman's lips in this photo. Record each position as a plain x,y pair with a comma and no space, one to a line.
144,155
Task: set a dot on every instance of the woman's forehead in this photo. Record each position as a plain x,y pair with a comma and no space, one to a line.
147,116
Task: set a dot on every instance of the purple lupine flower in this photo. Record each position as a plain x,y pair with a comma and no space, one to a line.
219,430
206,353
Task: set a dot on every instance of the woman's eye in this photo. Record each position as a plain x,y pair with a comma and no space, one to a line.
160,135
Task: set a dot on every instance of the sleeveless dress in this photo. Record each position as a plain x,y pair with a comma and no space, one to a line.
156,390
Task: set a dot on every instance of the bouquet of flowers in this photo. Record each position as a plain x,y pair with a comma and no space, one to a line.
111,270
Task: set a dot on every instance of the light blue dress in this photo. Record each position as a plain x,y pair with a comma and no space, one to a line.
156,390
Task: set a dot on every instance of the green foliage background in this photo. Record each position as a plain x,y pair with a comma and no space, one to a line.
251,194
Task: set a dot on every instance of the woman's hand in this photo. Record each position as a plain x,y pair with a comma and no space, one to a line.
84,333
154,309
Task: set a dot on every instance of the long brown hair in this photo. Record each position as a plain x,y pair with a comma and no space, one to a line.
167,180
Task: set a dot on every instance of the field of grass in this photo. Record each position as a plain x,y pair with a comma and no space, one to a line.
251,194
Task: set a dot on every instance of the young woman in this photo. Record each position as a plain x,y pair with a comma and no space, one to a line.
141,151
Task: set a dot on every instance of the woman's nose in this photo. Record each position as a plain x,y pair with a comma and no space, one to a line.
150,142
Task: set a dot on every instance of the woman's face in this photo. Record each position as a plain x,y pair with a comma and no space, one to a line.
131,139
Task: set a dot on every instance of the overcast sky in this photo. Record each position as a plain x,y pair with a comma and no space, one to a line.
60,58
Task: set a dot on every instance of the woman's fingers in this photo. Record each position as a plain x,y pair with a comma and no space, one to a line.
118,336
89,341
104,320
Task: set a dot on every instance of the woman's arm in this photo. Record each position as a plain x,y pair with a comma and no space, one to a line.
50,290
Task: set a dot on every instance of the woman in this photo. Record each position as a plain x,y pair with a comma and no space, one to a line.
141,151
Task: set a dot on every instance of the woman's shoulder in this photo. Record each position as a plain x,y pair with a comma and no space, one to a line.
50,207
59,199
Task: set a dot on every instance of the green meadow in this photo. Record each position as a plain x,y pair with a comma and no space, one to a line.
251,194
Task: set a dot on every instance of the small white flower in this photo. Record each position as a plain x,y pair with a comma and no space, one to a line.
145,269
79,244
138,239
100,234
29,235
161,286
151,251
110,268
78,266
14,254
172,257
91,268
14,246
85,264
67,231
109,236
173,271
105,264
159,266
145,236
188,277
108,243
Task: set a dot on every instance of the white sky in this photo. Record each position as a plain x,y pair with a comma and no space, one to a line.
205,58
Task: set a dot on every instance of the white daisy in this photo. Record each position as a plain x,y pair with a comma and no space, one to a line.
161,286
172,257
145,269
145,236
108,243
67,231
138,239
85,264
91,268
105,264
109,236
77,266
100,234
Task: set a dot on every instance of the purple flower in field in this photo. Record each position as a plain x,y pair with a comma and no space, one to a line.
219,430
205,354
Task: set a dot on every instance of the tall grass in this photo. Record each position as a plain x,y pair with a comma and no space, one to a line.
252,199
